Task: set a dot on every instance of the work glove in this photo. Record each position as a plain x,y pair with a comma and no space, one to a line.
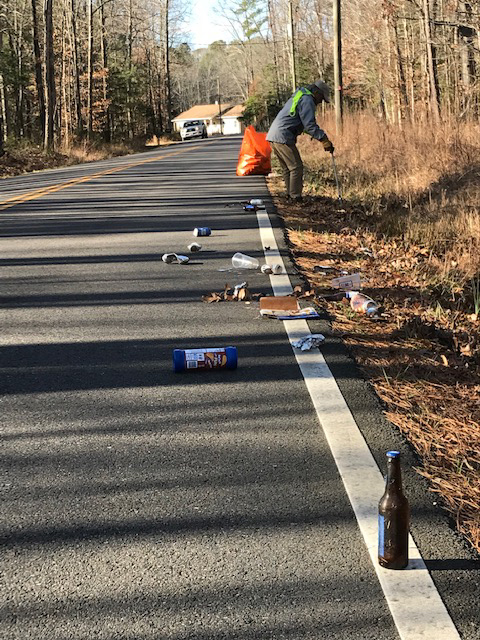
327,145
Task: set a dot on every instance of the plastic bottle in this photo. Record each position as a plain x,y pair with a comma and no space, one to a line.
257,202
202,231
241,261
362,303
204,359
393,518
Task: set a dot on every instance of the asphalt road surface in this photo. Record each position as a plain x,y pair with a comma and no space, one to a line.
140,504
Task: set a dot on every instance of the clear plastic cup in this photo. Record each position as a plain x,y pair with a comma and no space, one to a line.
241,261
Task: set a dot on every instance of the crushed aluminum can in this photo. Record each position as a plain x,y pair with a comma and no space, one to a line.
309,342
276,269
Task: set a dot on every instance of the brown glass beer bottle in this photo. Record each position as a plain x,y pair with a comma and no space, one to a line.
393,518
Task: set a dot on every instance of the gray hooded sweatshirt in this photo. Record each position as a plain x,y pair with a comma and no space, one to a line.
286,128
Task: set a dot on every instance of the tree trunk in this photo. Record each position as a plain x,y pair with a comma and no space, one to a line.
38,70
104,46
130,69
273,30
49,76
400,69
78,95
3,106
168,95
90,68
410,78
64,83
432,82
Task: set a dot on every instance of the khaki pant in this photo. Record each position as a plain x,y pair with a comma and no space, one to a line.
292,167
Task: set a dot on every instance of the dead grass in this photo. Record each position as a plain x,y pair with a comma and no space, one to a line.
24,157
420,186
410,224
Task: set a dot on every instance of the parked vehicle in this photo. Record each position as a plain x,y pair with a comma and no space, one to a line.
193,129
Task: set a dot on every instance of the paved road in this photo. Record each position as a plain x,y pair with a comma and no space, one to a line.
139,504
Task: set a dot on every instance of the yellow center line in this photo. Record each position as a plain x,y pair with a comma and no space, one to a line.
39,193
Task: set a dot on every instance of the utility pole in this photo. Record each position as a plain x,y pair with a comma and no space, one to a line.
219,105
291,44
337,64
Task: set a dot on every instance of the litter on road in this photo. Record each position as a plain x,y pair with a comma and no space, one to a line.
285,308
202,231
204,359
309,342
194,246
393,518
239,293
275,269
175,257
242,261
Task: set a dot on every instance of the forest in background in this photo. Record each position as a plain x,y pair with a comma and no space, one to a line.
115,70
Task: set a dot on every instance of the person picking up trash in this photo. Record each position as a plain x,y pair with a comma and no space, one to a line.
297,116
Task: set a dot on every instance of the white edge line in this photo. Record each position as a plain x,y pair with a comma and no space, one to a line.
415,604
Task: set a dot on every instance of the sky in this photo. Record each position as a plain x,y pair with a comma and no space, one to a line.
206,25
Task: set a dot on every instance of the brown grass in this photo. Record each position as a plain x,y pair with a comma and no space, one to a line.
411,200
24,157
420,185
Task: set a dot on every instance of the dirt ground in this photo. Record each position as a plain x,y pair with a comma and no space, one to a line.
422,352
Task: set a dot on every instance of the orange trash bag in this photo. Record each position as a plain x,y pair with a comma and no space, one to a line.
254,158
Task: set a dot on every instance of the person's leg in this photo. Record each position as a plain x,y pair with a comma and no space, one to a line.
295,166
280,150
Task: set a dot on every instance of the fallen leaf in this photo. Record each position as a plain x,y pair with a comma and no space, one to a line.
212,297
444,360
308,294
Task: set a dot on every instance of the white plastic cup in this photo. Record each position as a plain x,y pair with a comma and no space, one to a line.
242,261
266,268
194,246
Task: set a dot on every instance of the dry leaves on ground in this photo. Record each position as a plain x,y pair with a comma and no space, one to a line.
423,357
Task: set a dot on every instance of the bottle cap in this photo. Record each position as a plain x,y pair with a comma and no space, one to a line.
393,454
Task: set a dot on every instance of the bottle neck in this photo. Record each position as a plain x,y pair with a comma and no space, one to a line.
394,475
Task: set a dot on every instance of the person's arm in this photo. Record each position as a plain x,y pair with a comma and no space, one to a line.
306,111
